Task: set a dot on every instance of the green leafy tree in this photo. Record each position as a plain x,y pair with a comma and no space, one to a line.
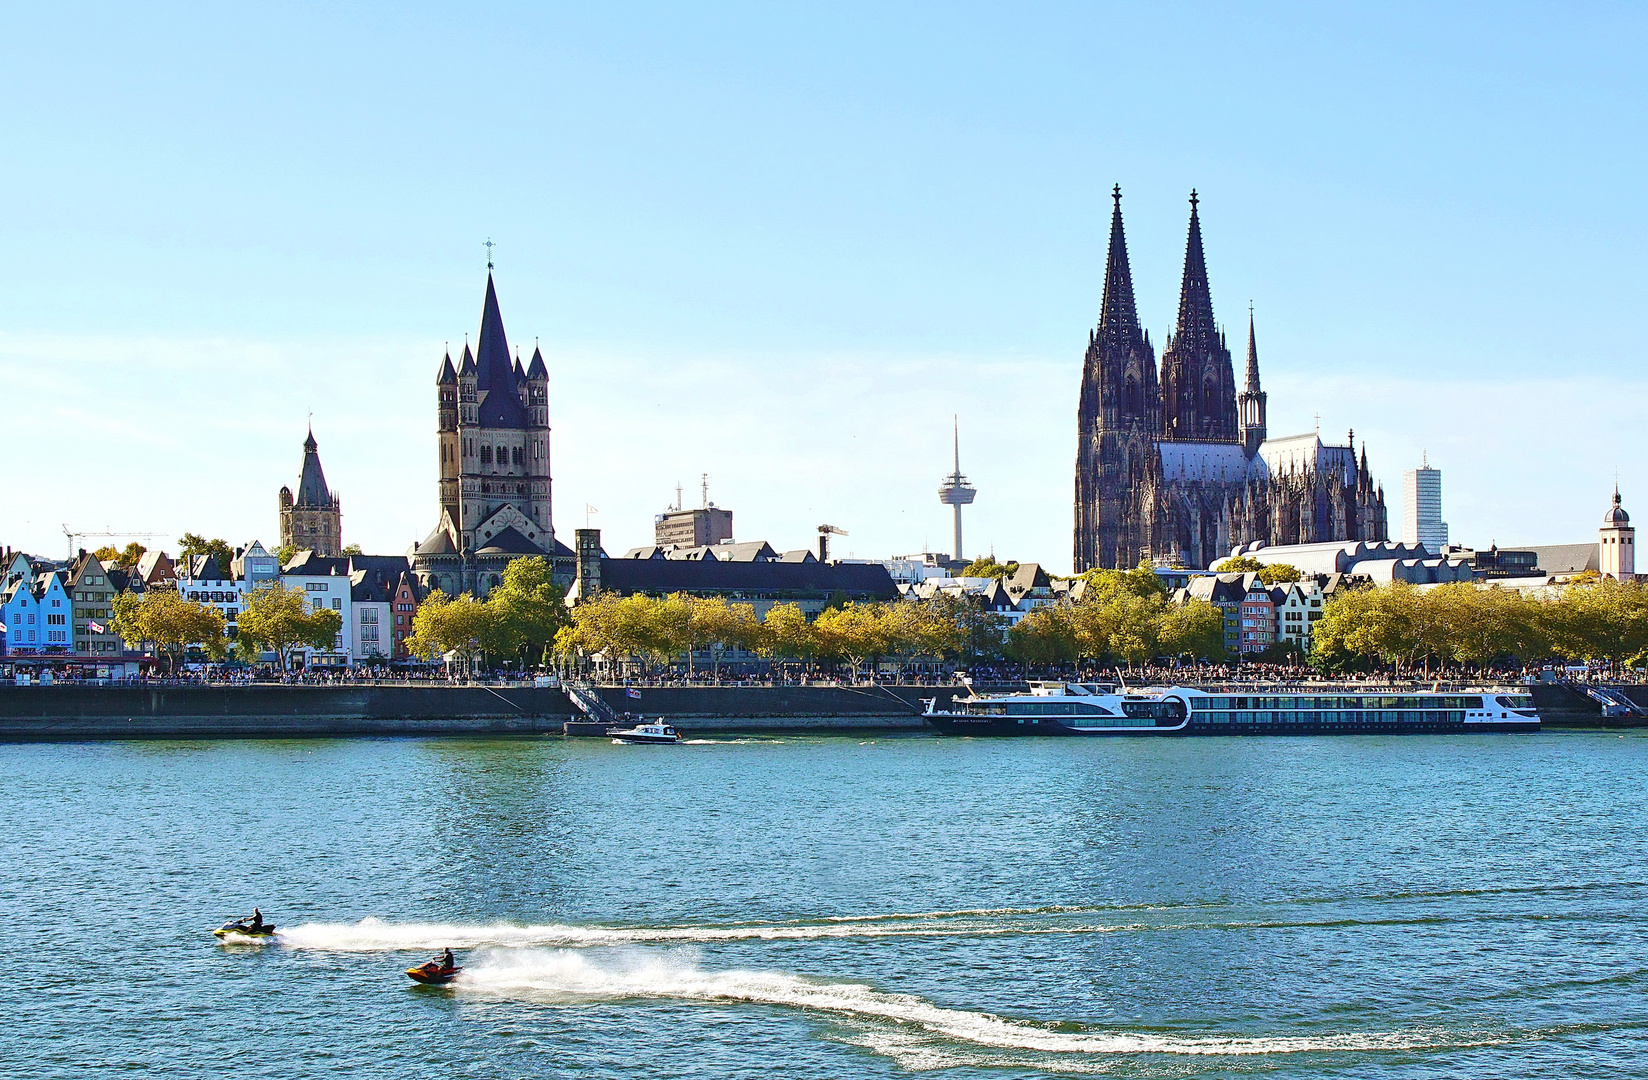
279,620
988,567
170,623
529,609
1270,574
1194,628
352,549
284,553
1044,636
192,544
125,558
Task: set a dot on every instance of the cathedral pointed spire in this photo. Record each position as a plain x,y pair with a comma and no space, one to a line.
1118,314
500,402
1196,327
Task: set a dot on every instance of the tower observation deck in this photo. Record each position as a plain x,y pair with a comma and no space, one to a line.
955,492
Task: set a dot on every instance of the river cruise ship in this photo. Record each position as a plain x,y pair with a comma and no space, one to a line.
1058,708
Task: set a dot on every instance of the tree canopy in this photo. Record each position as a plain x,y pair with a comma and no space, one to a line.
191,544
1270,574
988,567
125,558
170,623
279,620
519,619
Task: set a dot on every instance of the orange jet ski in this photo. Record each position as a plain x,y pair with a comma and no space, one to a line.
433,973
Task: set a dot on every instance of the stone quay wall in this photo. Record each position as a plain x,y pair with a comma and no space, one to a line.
173,712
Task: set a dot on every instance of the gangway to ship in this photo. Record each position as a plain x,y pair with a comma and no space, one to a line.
587,701
1613,702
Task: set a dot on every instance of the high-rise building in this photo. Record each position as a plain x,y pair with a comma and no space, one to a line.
314,518
1422,507
1173,464
692,528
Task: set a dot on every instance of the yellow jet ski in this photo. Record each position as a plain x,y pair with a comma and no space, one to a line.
239,929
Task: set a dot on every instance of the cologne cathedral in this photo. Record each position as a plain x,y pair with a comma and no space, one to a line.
1174,466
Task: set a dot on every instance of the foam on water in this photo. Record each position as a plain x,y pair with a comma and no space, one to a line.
568,975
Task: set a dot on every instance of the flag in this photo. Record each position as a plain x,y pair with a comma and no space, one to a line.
631,692
96,628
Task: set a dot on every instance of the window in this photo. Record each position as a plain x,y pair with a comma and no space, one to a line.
337,604
315,586
368,615
486,454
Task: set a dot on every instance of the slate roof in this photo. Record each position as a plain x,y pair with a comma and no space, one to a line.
500,405
537,370
312,491
868,581
1561,558
510,542
308,564
447,374
437,543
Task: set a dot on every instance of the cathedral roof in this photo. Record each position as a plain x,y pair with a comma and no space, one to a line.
537,370
447,374
312,491
466,366
500,405
510,542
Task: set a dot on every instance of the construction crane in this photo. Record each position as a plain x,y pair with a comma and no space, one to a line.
105,534
824,534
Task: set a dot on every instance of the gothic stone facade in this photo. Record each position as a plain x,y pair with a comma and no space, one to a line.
1173,465
314,519
492,441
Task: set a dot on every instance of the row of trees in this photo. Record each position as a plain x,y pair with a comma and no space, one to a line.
657,630
1124,617
273,619
1459,625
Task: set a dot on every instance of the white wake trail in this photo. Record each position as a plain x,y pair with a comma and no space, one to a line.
571,975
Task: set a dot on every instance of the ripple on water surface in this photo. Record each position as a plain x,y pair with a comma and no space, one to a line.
1297,907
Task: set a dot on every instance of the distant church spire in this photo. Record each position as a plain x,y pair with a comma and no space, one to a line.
1250,404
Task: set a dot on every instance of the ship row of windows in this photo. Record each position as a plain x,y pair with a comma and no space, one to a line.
1358,716
1450,701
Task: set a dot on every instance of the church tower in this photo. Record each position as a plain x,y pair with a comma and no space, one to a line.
1617,543
1117,421
1251,402
314,519
492,438
1198,384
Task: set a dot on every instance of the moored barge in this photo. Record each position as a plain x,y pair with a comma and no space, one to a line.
1057,708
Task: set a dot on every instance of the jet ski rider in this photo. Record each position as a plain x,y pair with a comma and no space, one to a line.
445,961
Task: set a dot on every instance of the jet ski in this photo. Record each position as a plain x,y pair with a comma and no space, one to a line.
240,928
432,974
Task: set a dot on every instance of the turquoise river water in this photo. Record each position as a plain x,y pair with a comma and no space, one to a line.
1469,906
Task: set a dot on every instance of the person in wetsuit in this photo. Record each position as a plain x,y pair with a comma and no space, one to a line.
257,925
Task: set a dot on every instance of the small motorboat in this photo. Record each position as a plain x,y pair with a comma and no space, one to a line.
647,733
433,974
241,929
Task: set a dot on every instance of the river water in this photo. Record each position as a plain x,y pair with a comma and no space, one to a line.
1468,906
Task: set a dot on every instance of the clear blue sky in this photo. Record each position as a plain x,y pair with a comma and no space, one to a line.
782,245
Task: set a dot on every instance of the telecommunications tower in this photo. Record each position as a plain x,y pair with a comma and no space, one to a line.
955,493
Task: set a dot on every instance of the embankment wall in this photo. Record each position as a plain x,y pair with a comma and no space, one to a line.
137,712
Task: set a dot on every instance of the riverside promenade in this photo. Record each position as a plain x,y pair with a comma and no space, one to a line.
73,712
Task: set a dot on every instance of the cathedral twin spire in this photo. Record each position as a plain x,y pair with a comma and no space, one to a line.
1197,380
